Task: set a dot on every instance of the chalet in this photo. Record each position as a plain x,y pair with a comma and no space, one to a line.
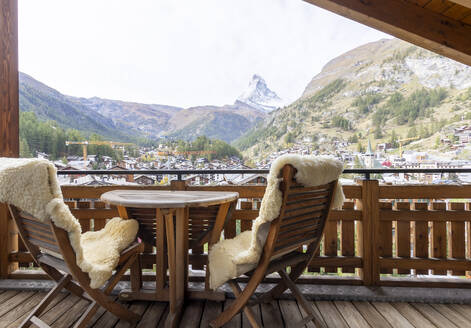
145,180
198,179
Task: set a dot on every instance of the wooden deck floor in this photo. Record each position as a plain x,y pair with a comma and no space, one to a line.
66,308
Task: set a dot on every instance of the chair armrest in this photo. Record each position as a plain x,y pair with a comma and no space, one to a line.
132,249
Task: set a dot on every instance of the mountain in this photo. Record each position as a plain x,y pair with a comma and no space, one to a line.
121,120
382,91
49,104
258,95
148,120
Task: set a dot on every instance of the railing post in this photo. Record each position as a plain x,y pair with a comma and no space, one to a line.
368,230
178,184
8,242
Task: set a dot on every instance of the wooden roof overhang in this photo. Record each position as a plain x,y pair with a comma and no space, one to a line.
441,26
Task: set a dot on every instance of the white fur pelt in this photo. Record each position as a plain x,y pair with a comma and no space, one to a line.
232,257
31,185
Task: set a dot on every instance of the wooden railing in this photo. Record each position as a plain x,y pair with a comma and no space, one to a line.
384,235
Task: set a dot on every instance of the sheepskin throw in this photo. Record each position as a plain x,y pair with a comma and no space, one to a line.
31,185
230,258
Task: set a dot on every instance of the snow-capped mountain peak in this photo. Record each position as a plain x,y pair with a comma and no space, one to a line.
258,95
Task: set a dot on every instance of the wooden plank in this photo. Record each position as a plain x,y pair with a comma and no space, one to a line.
53,303
192,314
351,314
9,94
21,309
368,232
425,264
348,238
69,317
371,315
392,315
236,321
385,236
153,315
439,242
420,216
54,313
271,314
246,224
433,315
211,311
84,222
330,242
421,236
257,313
6,267
455,317
463,309
138,307
290,312
458,245
424,191
107,320
412,315
439,6
331,314
14,301
403,236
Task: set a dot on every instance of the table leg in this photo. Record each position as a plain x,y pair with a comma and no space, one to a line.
161,254
177,236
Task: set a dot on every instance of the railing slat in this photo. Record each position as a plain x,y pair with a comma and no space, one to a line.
347,235
439,242
458,248
403,235
421,236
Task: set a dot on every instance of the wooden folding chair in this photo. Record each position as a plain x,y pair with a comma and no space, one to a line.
51,250
300,224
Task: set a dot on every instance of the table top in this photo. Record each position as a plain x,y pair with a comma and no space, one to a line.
167,198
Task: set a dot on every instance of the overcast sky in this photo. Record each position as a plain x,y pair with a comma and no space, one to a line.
180,52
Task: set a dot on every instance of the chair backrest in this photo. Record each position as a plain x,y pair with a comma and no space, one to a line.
37,236
302,217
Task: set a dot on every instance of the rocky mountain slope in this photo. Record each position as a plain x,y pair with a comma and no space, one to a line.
122,120
49,104
382,91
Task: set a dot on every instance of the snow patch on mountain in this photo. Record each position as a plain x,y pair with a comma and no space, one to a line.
259,96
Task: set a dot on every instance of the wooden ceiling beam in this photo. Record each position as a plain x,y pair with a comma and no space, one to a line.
409,22
9,103
464,3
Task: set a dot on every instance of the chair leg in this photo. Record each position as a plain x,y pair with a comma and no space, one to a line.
276,291
242,297
247,310
46,300
312,316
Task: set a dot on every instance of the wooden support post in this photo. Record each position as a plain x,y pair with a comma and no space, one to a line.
9,116
9,103
368,230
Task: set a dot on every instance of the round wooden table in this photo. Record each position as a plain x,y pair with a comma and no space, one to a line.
171,214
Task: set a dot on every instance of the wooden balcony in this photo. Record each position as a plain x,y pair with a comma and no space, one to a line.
384,236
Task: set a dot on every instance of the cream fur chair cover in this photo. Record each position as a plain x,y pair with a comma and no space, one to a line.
231,258
31,185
